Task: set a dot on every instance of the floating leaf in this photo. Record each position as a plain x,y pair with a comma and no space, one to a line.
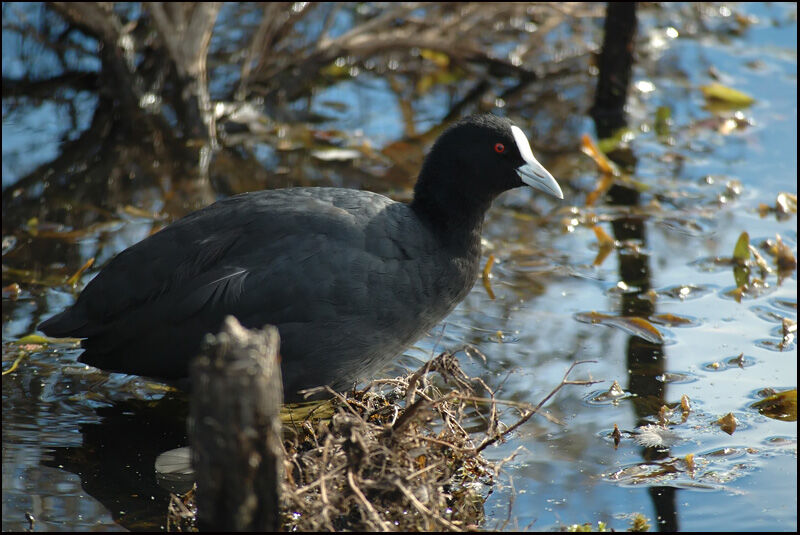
685,408
727,423
690,462
57,231
603,239
671,319
612,395
752,289
784,259
500,337
741,252
738,361
487,274
663,115
616,390
779,406
20,355
33,339
631,324
719,93
605,244
785,205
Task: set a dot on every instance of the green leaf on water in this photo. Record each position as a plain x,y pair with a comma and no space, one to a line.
33,339
741,252
717,92
663,116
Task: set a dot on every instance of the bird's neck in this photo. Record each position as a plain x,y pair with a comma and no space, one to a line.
455,219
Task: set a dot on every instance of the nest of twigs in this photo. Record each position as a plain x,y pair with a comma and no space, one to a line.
395,456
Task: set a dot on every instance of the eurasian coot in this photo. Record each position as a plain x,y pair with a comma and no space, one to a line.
350,278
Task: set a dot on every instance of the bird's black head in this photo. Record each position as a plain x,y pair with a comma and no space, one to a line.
471,163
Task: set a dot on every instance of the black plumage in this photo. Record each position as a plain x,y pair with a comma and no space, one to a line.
350,278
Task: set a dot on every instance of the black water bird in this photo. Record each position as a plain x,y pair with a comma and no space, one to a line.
350,278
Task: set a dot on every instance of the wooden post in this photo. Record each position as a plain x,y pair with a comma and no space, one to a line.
235,429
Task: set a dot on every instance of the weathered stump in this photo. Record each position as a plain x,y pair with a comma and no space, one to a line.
235,429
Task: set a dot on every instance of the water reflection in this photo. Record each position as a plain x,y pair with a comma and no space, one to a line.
116,459
646,360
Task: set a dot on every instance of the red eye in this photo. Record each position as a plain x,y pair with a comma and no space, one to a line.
499,148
